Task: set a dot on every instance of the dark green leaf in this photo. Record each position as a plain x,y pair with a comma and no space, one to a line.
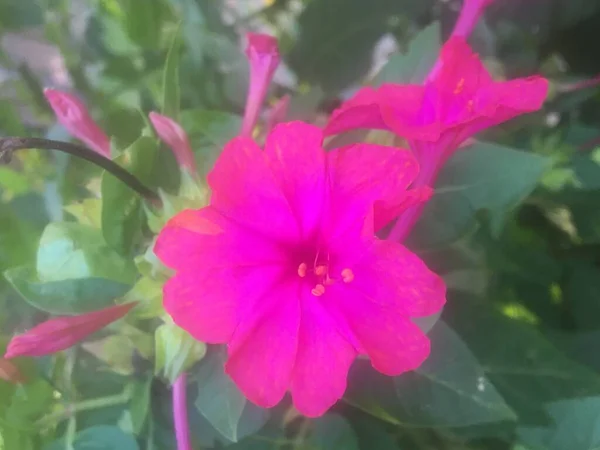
486,177
65,297
582,292
575,427
223,405
121,206
101,437
332,432
413,66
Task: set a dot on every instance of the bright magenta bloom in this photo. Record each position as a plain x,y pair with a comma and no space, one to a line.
171,133
60,333
74,116
263,55
285,268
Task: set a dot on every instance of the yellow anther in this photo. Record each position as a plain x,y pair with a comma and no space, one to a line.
302,268
320,270
460,86
318,290
347,275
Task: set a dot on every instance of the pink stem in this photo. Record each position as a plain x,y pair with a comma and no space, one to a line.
572,87
182,432
427,175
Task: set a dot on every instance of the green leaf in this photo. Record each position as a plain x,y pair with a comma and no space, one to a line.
525,368
487,177
222,404
122,216
332,432
69,251
450,389
100,437
143,25
17,239
575,426
413,66
372,434
66,297
176,351
582,292
171,90
135,416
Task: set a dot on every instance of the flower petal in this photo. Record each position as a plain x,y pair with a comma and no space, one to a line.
323,360
206,238
392,276
298,163
209,302
245,190
361,111
393,343
172,134
385,212
262,355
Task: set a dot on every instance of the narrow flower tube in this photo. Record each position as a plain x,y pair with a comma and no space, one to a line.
74,116
263,55
182,431
61,333
469,15
172,134
278,112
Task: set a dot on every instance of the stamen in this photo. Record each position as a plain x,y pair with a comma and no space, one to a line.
328,281
347,275
318,290
320,270
302,268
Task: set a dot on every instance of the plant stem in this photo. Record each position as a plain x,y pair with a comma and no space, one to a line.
182,432
11,144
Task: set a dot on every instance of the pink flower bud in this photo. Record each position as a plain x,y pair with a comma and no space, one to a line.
61,333
171,133
74,116
469,15
278,112
263,55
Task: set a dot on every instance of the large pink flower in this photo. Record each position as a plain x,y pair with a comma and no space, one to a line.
285,268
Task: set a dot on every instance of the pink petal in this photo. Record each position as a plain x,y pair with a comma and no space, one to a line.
61,333
204,237
298,162
385,212
322,363
245,190
262,355
171,133
361,111
393,343
392,276
209,302
74,116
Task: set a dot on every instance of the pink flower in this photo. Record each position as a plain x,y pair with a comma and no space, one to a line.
74,116
61,333
460,100
285,268
263,55
171,133
469,15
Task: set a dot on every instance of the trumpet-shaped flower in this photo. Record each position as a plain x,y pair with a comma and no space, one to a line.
171,133
284,266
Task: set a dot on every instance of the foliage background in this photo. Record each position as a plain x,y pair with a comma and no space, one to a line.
514,226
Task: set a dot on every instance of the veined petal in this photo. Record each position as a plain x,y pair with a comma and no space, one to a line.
322,363
298,163
245,190
361,111
262,355
206,238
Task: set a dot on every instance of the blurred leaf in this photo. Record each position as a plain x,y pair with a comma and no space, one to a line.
10,119
17,239
222,404
122,216
450,388
413,66
171,90
582,292
337,37
143,24
575,428
332,432
101,437
372,435
486,177
16,14
65,297
525,368
134,418
87,212
69,251
176,351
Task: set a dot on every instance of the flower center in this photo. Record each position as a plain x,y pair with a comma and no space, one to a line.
318,272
